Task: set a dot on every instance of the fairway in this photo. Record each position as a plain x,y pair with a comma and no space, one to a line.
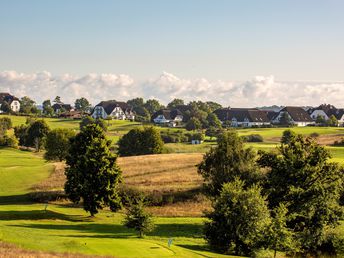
62,228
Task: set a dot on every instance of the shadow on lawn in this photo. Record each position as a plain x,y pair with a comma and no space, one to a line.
120,231
39,215
15,199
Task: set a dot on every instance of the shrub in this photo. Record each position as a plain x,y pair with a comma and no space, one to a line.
253,138
9,141
314,135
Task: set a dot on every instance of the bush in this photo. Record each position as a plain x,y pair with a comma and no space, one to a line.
140,141
9,141
5,123
253,138
314,135
169,136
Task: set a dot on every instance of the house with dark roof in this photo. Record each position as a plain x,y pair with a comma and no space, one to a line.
11,100
326,111
171,117
242,117
114,109
295,115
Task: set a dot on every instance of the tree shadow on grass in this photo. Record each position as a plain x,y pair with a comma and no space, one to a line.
120,231
15,199
39,215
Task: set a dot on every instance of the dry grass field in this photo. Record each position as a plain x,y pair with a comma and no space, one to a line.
170,176
162,173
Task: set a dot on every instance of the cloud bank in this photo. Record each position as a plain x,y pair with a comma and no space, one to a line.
259,91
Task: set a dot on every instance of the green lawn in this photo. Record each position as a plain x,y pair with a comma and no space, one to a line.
272,134
61,228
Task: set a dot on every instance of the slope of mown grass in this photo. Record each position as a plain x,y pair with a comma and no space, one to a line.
62,228
273,134
19,170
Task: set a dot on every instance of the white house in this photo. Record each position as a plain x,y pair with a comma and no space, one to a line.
296,116
243,117
11,100
168,117
326,111
114,109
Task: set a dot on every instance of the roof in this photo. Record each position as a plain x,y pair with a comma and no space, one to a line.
298,114
329,110
4,96
241,114
169,114
110,105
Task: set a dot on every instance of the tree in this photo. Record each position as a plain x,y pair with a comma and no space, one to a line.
193,124
332,121
137,102
213,106
5,107
5,123
288,136
92,173
213,121
285,119
239,219
36,134
47,108
82,104
320,120
26,105
301,176
152,105
213,132
90,120
230,159
174,103
137,218
58,143
280,237
140,141
57,100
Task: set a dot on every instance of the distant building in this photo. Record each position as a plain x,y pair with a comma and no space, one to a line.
114,109
11,100
243,117
295,115
170,117
326,111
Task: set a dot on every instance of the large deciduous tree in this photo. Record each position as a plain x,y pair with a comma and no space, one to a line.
57,144
239,219
302,177
82,104
230,159
141,141
36,134
92,173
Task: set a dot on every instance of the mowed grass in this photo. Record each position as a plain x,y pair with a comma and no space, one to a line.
64,228
274,134
19,170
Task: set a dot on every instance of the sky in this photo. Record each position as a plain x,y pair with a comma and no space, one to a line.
238,53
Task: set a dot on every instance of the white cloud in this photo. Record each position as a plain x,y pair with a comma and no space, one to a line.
261,90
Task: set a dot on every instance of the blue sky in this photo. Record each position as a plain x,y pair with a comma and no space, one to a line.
227,40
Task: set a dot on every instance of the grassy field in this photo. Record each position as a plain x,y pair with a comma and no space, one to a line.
63,228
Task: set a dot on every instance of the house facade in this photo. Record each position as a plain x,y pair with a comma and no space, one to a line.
294,115
13,101
326,111
242,117
170,117
114,109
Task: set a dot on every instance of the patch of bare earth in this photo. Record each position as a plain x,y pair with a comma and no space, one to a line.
12,251
329,139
